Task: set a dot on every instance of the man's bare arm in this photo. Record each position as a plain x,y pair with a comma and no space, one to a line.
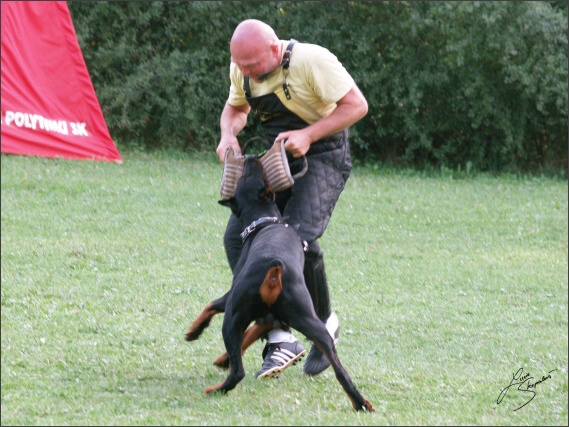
233,120
351,108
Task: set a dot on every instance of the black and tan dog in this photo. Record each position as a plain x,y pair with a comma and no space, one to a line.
268,284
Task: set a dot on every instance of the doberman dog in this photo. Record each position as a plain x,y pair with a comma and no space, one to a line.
268,283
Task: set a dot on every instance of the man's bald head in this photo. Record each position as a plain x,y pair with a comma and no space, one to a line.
254,31
255,48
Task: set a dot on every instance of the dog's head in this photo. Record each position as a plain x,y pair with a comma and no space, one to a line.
253,190
275,163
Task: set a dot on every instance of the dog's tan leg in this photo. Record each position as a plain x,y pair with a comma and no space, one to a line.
252,334
202,322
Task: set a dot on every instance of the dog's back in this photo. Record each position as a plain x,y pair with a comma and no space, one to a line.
276,241
274,246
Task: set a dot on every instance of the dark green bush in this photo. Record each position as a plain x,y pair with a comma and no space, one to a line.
449,84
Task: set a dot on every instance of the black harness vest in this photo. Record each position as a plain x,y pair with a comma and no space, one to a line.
275,117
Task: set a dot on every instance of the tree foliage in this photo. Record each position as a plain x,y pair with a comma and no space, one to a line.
449,84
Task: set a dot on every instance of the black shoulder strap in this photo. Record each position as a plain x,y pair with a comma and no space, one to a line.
288,51
284,63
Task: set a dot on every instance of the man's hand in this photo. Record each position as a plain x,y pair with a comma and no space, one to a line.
233,120
297,142
224,144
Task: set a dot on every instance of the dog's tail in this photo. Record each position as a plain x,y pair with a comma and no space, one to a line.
273,283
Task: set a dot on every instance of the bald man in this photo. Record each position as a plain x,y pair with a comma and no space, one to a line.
305,97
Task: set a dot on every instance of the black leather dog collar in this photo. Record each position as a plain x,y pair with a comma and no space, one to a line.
258,224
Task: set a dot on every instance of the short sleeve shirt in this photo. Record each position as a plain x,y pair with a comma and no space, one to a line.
316,81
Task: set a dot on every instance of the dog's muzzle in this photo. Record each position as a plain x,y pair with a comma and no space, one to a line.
275,166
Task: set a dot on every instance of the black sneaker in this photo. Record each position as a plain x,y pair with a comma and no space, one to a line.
278,357
316,362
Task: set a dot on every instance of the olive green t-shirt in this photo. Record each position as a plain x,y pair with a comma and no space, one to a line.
316,81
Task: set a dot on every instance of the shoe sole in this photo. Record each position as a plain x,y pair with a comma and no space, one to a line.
335,326
322,366
277,370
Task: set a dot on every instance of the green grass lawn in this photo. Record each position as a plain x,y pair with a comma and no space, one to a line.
445,288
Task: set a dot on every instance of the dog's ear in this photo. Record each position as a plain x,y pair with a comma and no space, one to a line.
267,195
230,203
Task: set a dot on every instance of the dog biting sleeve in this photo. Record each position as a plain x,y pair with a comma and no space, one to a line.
232,171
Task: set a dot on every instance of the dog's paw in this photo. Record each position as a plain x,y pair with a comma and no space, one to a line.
367,406
214,388
222,361
192,335
209,389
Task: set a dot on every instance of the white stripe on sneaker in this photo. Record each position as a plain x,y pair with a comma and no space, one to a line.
280,358
283,355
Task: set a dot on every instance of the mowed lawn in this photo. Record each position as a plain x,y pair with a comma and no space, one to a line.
450,290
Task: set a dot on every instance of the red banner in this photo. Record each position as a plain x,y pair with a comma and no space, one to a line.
49,105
